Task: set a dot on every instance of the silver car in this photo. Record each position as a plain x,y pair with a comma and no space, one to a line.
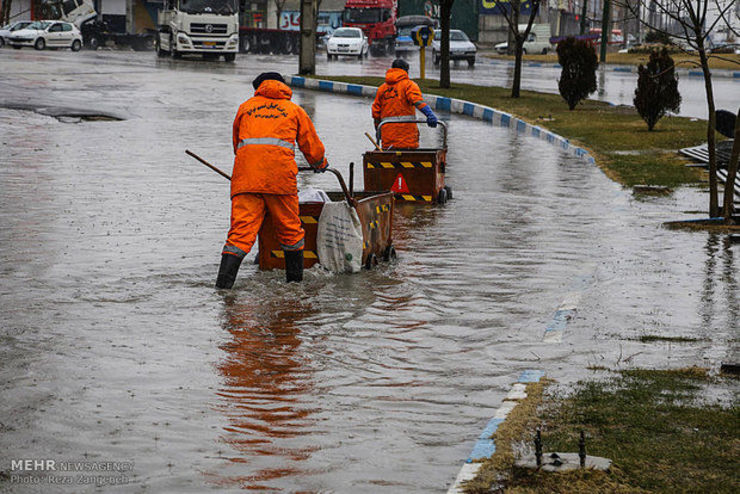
9,28
461,48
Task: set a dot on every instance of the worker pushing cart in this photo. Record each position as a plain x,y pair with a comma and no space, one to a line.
265,132
399,98
398,164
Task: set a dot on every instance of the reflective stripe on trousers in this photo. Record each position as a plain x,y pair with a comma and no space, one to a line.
270,141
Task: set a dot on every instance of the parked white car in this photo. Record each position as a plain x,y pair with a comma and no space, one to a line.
538,40
12,27
347,41
461,48
47,34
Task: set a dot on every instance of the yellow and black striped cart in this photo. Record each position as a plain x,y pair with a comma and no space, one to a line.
413,175
375,210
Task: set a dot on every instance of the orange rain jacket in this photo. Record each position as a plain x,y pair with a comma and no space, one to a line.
398,97
266,128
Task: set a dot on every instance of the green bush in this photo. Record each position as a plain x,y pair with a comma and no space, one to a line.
657,88
578,77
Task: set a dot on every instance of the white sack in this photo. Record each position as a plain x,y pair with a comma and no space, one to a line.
339,238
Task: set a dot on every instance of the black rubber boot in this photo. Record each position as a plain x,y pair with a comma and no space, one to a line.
293,265
227,271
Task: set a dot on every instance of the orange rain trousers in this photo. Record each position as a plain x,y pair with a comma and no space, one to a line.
247,214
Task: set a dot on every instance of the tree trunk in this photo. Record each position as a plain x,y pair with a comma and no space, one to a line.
5,13
516,84
729,197
713,199
307,54
444,70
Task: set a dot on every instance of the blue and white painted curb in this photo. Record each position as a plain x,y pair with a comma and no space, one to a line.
452,105
486,446
722,73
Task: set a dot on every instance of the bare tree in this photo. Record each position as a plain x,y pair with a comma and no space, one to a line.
687,21
511,15
445,12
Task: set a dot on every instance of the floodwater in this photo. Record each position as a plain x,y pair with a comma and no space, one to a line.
115,346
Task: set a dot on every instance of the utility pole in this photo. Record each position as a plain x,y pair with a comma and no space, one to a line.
584,13
307,56
604,31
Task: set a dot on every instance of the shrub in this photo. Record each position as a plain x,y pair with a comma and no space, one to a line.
657,88
578,77
658,37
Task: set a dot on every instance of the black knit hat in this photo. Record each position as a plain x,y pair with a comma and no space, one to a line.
400,63
267,76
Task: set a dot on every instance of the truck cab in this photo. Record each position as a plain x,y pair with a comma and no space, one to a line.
206,27
377,19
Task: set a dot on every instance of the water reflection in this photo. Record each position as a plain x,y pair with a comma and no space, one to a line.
719,297
265,384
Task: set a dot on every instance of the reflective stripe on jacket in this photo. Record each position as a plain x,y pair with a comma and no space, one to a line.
399,96
265,128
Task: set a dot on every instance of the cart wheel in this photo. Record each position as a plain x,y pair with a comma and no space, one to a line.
371,262
449,192
390,254
442,197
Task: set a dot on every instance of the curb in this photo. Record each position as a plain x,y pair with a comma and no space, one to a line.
462,107
720,73
485,446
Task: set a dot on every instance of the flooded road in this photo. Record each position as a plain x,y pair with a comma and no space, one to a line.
116,347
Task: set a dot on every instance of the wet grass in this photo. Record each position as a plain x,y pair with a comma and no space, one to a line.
615,136
521,419
656,426
727,61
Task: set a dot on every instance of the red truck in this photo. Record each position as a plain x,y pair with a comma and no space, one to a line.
377,19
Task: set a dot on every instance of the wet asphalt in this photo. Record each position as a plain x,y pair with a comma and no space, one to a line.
115,346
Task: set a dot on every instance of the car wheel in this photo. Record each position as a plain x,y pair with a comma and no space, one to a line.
471,62
40,44
230,57
435,58
328,56
76,45
544,51
367,52
2,42
245,44
524,51
94,43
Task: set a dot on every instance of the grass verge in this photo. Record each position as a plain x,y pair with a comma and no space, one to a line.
728,61
616,136
657,426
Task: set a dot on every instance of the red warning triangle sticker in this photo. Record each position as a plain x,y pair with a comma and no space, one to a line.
399,185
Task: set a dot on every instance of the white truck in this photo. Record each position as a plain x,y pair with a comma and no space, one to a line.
206,27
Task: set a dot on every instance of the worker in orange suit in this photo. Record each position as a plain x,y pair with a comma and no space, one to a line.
399,96
265,132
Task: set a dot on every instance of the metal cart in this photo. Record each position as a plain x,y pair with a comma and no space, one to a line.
413,175
375,210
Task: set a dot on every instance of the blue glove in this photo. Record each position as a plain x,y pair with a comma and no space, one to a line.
431,117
